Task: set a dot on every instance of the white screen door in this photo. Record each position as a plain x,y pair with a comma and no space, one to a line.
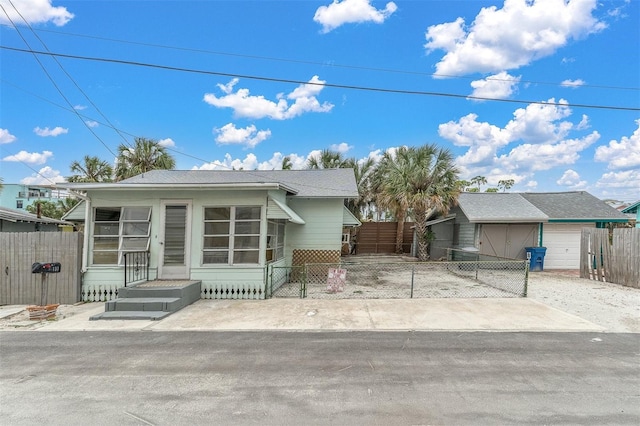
175,240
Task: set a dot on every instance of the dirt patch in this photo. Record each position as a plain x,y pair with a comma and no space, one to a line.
613,306
20,319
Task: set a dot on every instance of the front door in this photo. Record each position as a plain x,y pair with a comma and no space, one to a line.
175,238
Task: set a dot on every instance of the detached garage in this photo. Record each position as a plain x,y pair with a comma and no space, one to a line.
568,213
504,224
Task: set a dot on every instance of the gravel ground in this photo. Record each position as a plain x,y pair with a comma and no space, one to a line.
610,305
615,307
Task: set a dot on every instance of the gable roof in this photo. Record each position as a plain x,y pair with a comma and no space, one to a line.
12,215
507,207
317,183
576,205
491,207
633,208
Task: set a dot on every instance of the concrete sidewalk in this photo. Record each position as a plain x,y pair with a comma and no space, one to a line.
346,315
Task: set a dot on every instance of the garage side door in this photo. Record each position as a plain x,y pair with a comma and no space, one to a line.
562,241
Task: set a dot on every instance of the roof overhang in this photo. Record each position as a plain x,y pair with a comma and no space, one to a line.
348,219
587,220
283,209
115,186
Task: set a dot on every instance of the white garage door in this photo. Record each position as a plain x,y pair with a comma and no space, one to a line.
562,241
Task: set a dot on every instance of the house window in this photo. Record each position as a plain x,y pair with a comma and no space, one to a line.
117,230
231,235
19,204
275,240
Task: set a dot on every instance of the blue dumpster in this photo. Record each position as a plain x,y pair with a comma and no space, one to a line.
536,258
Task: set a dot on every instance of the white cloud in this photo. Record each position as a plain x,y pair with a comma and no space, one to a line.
514,36
532,184
250,162
56,131
34,12
91,123
30,157
249,136
540,122
574,84
542,131
342,148
45,176
80,107
167,143
6,137
498,86
350,12
571,179
546,156
625,179
621,155
243,104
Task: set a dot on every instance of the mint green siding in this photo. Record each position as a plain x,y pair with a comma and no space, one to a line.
322,230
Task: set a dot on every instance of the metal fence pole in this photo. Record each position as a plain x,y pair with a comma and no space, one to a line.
413,271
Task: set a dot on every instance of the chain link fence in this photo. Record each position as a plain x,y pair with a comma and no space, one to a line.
475,278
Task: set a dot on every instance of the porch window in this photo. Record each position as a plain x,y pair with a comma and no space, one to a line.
275,240
117,230
231,235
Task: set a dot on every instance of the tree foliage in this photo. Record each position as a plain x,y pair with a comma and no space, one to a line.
144,156
92,169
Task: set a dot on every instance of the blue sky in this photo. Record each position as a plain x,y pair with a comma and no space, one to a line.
544,92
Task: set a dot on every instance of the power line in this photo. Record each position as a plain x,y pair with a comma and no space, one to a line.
44,69
324,64
333,85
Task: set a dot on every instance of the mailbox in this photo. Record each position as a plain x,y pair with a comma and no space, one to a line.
45,268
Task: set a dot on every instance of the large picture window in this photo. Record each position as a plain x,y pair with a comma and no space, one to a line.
231,235
117,230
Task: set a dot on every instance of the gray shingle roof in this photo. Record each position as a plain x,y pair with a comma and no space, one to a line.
498,207
322,183
12,215
573,205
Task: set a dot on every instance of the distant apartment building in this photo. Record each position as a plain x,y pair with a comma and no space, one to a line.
17,196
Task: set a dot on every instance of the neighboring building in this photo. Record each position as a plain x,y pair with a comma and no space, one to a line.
19,197
633,212
12,220
504,224
223,228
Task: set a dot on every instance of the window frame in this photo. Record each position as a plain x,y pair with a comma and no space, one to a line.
234,235
122,236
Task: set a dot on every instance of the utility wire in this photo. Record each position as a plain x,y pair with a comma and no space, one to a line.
339,86
67,74
324,64
44,69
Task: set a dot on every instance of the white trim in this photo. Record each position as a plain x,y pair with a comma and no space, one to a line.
348,218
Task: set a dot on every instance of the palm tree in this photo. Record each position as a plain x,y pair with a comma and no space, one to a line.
326,160
286,163
145,155
363,171
389,188
92,169
478,180
423,180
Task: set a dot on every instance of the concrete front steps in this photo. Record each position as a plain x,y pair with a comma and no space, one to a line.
152,300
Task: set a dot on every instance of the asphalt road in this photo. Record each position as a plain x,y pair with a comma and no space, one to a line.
306,378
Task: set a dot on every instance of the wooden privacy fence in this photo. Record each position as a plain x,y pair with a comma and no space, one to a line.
20,250
380,238
616,261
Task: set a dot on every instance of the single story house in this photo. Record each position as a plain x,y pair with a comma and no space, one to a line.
504,224
223,228
12,220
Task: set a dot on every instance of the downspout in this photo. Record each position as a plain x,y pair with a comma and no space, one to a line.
540,229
